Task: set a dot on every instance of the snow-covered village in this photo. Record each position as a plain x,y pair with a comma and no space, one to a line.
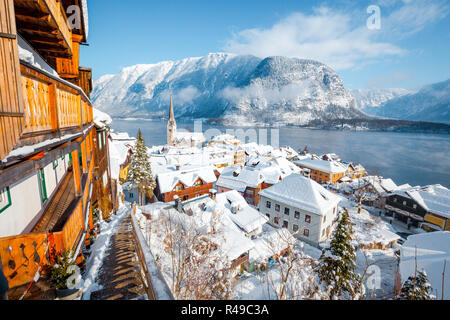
89,211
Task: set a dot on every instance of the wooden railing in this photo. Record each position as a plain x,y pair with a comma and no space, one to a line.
22,254
51,104
154,282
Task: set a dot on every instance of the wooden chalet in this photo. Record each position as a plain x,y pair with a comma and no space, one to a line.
49,147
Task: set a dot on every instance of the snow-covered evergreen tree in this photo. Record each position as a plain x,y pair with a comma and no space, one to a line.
140,172
337,264
417,288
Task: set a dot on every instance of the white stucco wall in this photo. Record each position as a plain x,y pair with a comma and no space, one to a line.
25,205
315,227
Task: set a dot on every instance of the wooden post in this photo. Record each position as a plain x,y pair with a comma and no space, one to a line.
53,106
84,157
11,96
76,172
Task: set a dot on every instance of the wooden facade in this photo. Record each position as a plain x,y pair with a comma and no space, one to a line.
184,193
44,118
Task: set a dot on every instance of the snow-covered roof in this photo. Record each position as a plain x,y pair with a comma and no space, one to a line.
304,193
369,231
322,165
433,198
101,119
168,179
247,177
432,250
121,136
271,243
246,217
190,136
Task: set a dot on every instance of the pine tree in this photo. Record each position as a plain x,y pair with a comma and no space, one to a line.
417,288
140,172
337,263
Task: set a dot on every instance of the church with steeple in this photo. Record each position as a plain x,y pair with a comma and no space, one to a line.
184,138
171,127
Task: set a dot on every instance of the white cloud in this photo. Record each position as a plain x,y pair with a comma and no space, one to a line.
334,37
182,96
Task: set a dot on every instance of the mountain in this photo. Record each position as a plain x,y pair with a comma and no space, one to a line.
234,88
431,103
367,99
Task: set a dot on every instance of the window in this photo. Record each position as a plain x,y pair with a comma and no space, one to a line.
395,199
404,203
42,185
285,224
415,206
297,215
178,188
5,199
276,220
104,138
295,228
286,211
306,233
100,144
277,208
324,219
268,216
131,194
268,204
198,183
55,164
308,219
250,192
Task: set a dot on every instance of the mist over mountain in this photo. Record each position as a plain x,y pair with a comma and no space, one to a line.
237,89
367,99
431,103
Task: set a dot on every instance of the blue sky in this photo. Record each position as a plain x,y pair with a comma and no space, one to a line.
411,48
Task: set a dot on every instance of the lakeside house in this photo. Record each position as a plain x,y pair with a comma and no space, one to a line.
323,171
421,207
54,150
302,206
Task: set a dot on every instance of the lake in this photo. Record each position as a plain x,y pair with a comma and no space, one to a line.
414,158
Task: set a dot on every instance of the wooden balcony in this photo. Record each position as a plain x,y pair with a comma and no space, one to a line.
44,24
60,228
52,108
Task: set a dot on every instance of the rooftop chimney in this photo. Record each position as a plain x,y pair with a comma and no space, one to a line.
213,194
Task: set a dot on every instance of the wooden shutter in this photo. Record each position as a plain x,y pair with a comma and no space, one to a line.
11,101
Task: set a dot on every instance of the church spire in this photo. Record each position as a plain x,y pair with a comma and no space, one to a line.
171,125
171,113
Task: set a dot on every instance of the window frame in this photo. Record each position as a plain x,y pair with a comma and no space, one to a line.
306,233
8,199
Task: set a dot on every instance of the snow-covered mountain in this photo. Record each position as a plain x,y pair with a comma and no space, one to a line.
239,89
431,103
366,99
